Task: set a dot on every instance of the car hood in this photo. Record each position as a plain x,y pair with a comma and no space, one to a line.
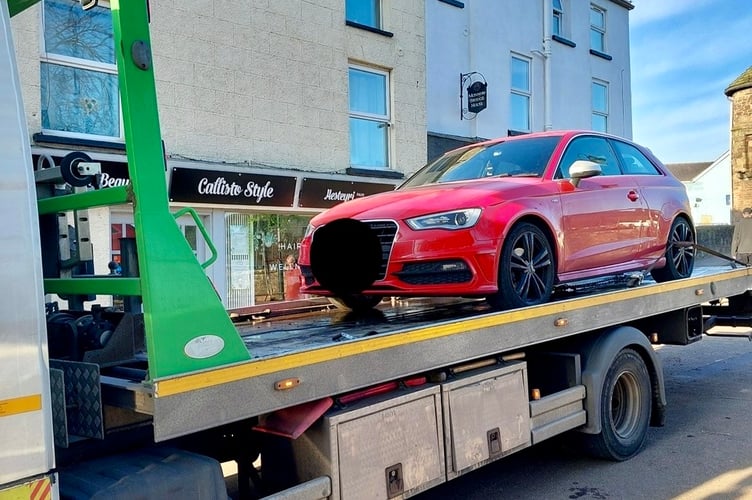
432,198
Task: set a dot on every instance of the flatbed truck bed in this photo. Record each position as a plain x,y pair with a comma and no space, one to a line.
333,352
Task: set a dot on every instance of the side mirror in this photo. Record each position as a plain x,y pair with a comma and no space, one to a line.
582,169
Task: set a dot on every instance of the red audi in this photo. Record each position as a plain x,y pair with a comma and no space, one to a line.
508,220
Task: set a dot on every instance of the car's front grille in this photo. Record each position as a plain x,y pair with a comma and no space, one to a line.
435,273
385,231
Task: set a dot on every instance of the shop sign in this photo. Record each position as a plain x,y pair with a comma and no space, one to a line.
114,173
233,188
325,193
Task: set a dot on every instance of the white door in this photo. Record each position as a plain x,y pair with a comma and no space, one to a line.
239,230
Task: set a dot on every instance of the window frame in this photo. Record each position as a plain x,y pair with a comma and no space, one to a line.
604,114
557,18
385,119
526,93
599,30
76,63
379,21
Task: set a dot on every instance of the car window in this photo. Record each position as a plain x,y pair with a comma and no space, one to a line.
595,149
633,161
524,157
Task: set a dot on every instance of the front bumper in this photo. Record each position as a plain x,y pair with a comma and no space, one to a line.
432,262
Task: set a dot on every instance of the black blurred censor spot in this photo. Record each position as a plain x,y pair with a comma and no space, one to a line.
345,256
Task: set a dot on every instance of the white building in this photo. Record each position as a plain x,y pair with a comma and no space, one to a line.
548,64
708,187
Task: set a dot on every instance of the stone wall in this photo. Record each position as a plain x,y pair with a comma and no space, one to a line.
741,149
716,237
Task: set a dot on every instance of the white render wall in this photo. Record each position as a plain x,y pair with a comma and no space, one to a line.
266,81
482,37
709,191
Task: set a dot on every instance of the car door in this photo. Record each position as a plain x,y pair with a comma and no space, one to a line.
602,217
658,194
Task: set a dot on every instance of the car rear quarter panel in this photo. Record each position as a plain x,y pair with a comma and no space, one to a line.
666,198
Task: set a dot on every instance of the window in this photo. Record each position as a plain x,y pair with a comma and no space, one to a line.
365,12
262,258
556,26
633,161
599,97
595,149
527,157
369,118
79,85
597,29
519,119
119,230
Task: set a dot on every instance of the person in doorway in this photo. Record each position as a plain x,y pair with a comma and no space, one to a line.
293,278
741,242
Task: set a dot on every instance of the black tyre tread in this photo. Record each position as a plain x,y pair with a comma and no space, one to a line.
359,302
506,297
607,444
669,272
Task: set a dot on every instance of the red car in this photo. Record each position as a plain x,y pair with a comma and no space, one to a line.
508,220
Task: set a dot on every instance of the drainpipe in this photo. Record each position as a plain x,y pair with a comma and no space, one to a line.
548,10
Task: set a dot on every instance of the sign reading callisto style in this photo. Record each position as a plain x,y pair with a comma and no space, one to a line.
234,188
325,193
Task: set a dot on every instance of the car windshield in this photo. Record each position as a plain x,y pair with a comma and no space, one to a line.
515,158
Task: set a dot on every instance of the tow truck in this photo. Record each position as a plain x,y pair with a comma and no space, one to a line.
147,400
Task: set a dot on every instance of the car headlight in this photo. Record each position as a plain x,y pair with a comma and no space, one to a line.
455,219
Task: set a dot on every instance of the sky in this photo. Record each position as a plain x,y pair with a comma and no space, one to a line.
684,53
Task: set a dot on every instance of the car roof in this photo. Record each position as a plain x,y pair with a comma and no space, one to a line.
563,134
566,134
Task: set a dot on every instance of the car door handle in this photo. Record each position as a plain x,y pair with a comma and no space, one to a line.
633,196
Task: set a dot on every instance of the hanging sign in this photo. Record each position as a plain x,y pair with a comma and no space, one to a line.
476,97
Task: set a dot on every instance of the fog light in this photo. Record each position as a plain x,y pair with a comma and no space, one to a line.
453,266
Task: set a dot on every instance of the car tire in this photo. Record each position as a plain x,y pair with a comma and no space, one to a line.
625,409
526,269
358,302
680,260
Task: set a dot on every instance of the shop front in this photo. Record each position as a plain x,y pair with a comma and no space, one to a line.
247,222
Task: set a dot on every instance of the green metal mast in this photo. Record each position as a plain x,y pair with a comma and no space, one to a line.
187,328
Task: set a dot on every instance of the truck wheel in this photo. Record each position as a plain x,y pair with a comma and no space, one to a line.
625,409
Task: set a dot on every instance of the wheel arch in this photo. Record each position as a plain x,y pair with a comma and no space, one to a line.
687,216
668,223
544,226
599,352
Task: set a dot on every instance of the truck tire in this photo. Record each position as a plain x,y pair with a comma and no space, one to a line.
625,409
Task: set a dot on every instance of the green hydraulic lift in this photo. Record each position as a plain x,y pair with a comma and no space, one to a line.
186,326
